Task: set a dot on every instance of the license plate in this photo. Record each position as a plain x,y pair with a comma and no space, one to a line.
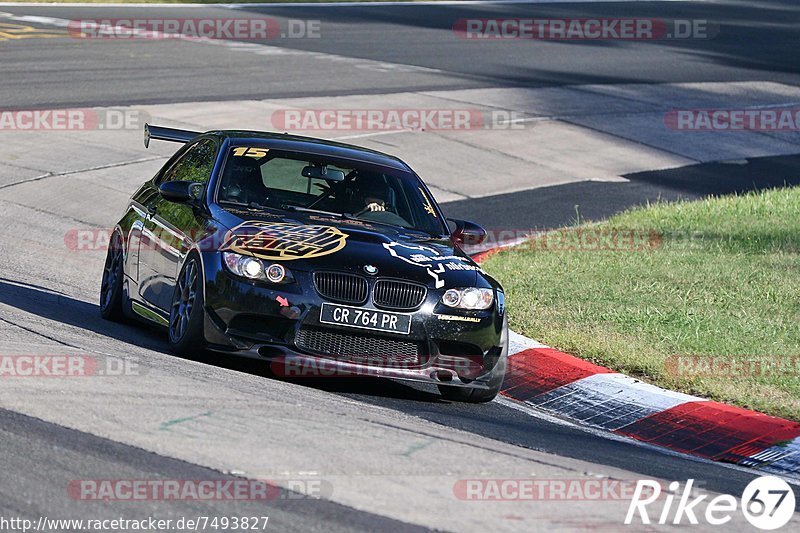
355,317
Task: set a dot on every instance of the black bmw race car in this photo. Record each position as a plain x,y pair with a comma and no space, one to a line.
309,253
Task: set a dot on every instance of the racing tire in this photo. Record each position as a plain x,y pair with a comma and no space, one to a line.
111,294
186,310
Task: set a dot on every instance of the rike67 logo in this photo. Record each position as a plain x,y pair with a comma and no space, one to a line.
767,503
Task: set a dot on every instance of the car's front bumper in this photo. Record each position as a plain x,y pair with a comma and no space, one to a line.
264,321
299,365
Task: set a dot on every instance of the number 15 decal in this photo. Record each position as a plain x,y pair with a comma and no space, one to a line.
256,153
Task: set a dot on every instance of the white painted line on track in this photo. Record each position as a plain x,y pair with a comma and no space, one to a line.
47,21
373,134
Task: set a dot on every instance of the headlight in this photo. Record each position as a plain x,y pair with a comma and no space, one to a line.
244,265
276,273
468,298
252,268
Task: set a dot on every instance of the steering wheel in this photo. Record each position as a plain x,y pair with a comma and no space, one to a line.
368,210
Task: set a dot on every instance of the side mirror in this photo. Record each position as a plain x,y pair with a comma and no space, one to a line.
180,192
467,233
323,173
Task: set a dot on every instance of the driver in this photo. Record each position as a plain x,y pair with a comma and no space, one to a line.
373,192
242,181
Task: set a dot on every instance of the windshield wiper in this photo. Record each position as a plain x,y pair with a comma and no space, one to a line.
251,205
309,210
349,216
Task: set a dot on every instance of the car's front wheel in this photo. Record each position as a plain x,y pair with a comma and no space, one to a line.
186,311
111,293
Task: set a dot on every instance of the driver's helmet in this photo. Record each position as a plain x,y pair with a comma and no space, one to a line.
373,185
242,180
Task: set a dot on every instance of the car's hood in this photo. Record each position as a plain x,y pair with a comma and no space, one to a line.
311,242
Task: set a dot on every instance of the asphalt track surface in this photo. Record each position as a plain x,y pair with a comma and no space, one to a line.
39,481
757,41
44,305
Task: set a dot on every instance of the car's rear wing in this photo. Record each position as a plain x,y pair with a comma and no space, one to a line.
167,134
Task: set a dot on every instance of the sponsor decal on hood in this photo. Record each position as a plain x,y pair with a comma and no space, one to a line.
279,241
433,262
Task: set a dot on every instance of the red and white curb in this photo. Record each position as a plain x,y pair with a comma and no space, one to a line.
600,398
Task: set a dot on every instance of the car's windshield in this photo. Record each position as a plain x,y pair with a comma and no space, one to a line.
285,180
